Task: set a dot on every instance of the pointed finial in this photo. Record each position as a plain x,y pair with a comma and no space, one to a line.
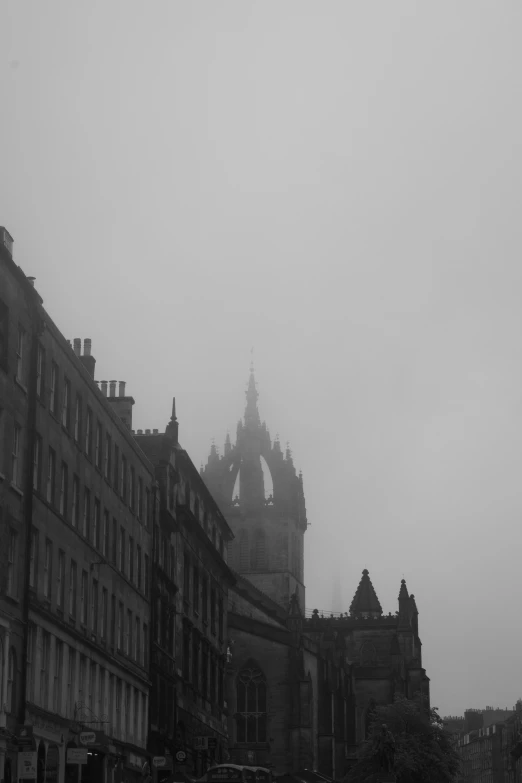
173,416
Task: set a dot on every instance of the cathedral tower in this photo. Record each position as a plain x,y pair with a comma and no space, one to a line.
268,526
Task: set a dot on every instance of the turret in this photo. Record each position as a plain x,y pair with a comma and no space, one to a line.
365,602
404,607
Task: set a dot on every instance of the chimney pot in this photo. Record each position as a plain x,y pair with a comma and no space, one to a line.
140,432
155,432
87,343
104,388
77,346
122,388
112,388
31,280
147,432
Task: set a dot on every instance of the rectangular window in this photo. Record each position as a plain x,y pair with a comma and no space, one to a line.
48,569
204,670
195,589
132,492
58,676
128,633
88,432
44,669
136,715
51,477
98,446
186,577
96,523
84,597
195,660
72,589
113,619
63,490
138,567
186,654
71,673
147,507
213,611
20,349
82,676
104,608
136,650
122,550
33,559
37,461
53,400
114,541
40,371
172,563
105,533
140,498
76,502
204,599
16,469
120,626
130,559
86,520
66,403
146,574
78,419
145,656
31,644
11,564
123,478
60,580
94,607
220,619
107,457
116,467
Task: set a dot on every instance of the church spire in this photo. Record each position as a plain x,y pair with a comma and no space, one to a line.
251,412
365,601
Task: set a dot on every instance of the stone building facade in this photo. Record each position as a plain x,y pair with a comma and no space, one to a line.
78,504
301,686
191,580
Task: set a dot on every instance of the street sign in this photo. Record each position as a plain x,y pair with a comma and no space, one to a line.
159,761
181,756
27,761
76,755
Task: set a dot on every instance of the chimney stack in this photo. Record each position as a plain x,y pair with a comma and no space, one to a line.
77,346
87,360
104,388
31,280
121,404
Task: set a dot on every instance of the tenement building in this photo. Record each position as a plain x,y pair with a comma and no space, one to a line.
191,581
300,687
77,504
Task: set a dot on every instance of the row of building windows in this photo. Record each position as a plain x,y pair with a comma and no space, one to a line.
8,699
59,678
205,596
203,668
112,623
84,513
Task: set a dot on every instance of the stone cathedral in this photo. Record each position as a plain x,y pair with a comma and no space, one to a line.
300,686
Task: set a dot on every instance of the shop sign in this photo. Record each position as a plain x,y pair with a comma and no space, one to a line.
76,755
24,737
212,743
224,773
92,738
162,762
181,756
201,743
27,761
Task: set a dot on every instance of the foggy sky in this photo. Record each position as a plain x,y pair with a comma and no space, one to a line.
336,184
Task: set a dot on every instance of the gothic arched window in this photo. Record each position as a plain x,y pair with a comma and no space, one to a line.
259,551
251,705
243,551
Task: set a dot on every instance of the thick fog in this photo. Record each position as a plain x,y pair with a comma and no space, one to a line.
336,185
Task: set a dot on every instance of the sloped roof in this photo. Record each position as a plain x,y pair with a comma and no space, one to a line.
365,598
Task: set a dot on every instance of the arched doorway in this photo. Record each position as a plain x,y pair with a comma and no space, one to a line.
52,764
40,763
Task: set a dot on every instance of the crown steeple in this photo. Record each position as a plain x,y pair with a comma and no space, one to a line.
365,601
252,419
